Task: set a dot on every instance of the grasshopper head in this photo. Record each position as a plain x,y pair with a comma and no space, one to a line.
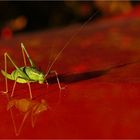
41,78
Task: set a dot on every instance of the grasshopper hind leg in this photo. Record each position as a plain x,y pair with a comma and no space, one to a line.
25,63
6,82
6,75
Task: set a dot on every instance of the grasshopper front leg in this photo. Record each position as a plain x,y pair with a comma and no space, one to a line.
58,82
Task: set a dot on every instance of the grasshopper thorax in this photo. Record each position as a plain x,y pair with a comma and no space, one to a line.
35,75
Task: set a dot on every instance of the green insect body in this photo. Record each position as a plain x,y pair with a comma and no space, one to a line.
32,75
35,75
26,74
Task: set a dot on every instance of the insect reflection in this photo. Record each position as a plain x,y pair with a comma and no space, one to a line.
27,107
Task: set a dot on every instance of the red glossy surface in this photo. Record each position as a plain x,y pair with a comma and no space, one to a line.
107,106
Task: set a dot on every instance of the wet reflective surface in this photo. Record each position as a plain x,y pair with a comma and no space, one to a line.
100,69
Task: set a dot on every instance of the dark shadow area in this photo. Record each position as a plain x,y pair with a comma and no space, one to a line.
77,77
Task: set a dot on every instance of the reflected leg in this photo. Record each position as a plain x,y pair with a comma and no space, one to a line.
30,91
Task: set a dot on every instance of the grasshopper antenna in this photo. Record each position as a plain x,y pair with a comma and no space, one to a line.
68,42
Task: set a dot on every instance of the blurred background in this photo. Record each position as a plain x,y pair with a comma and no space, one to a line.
99,102
26,16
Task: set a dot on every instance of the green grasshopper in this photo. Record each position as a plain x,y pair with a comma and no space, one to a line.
29,74
26,74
